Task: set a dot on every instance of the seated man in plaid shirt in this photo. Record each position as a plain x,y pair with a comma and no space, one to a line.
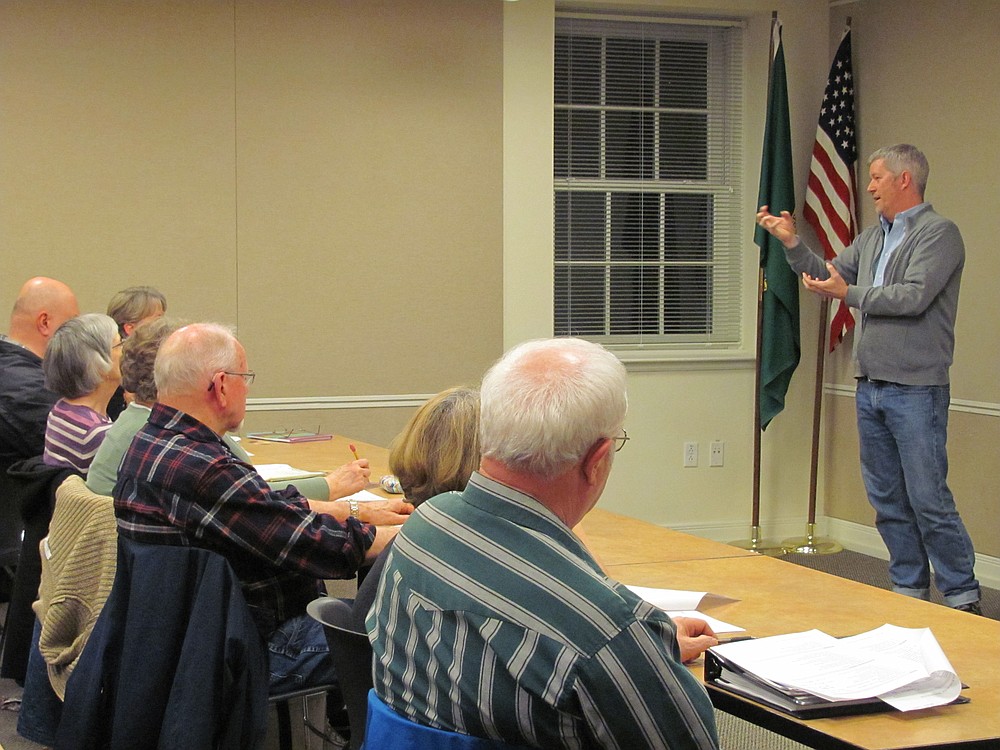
180,484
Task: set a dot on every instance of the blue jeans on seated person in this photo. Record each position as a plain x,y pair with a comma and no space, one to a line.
41,708
298,655
903,431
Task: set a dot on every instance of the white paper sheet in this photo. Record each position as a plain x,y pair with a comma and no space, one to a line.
284,472
674,599
918,645
364,496
717,625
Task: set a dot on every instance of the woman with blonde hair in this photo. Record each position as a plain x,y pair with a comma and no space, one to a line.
438,449
436,452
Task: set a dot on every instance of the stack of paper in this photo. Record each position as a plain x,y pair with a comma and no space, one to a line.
904,667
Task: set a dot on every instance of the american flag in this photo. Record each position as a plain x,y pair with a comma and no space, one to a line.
830,197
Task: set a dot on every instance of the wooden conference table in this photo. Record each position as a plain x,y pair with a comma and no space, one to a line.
774,597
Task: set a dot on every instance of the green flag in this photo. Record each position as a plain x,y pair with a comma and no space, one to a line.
779,354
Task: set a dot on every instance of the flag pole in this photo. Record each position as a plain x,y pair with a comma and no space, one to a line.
810,544
755,543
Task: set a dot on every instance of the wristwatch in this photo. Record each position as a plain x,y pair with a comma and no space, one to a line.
355,508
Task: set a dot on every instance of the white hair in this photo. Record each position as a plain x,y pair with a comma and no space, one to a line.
189,358
546,402
78,355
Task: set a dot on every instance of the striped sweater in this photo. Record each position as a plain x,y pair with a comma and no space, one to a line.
493,620
73,434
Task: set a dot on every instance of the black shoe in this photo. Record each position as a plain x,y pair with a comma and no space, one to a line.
973,608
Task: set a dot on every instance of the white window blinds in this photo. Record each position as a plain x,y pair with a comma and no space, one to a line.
647,182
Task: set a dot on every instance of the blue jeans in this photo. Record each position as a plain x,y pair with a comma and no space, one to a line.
299,656
903,430
38,718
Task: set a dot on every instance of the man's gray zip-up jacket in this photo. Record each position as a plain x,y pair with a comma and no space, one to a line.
906,333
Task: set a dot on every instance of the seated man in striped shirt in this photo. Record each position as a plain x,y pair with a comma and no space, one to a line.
493,620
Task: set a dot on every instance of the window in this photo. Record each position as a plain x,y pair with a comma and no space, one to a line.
647,186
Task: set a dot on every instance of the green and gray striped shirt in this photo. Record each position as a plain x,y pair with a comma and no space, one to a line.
493,620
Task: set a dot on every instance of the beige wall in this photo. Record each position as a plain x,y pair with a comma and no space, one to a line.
365,190
325,176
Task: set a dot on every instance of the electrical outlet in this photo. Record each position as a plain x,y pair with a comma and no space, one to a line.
690,454
717,453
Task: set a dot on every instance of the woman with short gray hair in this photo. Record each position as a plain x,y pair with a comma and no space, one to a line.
82,366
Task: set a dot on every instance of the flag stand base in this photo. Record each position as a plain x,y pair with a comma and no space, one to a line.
810,544
760,546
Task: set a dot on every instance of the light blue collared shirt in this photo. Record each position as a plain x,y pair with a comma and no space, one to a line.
894,235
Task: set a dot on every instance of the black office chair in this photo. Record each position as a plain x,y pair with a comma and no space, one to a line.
352,657
11,530
30,486
281,702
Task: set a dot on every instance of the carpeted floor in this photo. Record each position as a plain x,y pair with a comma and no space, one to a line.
735,734
875,572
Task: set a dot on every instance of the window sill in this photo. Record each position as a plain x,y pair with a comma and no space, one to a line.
646,360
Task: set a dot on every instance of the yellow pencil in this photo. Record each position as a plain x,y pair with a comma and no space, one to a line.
354,451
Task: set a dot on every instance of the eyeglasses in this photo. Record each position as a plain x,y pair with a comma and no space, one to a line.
247,377
620,440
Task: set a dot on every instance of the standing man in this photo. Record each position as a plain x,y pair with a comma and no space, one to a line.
180,484
903,274
493,620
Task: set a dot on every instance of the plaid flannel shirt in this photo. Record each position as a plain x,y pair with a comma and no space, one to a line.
180,484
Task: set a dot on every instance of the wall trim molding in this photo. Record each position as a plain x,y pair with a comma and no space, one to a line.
853,536
398,400
306,403
983,408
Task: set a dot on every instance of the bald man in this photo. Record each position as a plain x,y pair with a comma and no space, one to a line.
42,306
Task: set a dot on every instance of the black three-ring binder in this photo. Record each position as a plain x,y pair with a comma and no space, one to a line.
724,675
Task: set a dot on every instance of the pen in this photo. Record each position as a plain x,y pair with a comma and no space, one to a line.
735,638
354,451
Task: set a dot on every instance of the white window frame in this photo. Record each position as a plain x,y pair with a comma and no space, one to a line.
724,180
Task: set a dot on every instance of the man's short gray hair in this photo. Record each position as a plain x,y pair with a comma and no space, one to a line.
902,157
546,402
190,357
78,355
